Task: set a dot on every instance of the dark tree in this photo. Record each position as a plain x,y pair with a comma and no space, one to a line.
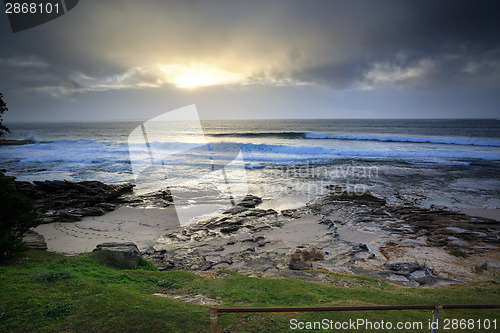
3,108
17,215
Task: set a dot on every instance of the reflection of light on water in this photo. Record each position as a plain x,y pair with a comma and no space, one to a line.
288,202
196,211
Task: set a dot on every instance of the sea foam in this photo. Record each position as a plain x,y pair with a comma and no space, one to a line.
427,139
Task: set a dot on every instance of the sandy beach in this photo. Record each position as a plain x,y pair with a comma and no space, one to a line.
126,224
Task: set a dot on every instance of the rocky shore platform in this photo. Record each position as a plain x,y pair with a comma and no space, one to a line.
65,201
339,232
16,142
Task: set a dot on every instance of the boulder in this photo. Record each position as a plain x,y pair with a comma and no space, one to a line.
302,258
402,268
120,255
412,272
424,276
250,201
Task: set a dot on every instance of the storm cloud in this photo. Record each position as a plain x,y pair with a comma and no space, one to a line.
317,48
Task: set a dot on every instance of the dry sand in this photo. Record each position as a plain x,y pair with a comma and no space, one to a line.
126,224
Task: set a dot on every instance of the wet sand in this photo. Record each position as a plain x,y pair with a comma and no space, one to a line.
483,212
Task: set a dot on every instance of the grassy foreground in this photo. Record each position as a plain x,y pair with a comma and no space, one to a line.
47,292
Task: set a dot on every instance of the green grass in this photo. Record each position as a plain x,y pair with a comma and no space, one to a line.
47,292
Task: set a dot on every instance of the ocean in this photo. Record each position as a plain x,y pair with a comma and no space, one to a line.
450,163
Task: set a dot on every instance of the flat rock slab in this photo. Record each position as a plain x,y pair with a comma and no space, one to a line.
34,240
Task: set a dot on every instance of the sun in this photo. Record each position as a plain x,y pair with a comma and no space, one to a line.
198,75
197,79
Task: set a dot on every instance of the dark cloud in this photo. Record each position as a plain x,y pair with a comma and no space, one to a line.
402,34
363,45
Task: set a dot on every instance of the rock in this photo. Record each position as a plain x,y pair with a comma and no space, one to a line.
16,142
363,255
292,213
213,259
350,196
346,196
329,223
120,255
230,229
34,240
397,278
328,250
402,268
459,243
424,276
107,206
92,211
300,265
418,274
250,201
235,210
225,224
68,217
410,241
256,239
437,240
335,188
412,272
259,212
302,258
360,248
69,201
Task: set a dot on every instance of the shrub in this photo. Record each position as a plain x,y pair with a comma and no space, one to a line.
169,283
146,265
44,276
59,310
152,278
3,108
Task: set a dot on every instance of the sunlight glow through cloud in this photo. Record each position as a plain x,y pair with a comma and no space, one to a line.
199,75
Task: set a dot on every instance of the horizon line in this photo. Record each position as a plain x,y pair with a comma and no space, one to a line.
236,119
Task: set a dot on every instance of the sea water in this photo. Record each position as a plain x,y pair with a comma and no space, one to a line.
455,163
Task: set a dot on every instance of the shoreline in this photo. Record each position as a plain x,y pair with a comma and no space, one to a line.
341,231
360,235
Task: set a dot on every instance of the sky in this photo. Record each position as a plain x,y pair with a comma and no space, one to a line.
108,60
